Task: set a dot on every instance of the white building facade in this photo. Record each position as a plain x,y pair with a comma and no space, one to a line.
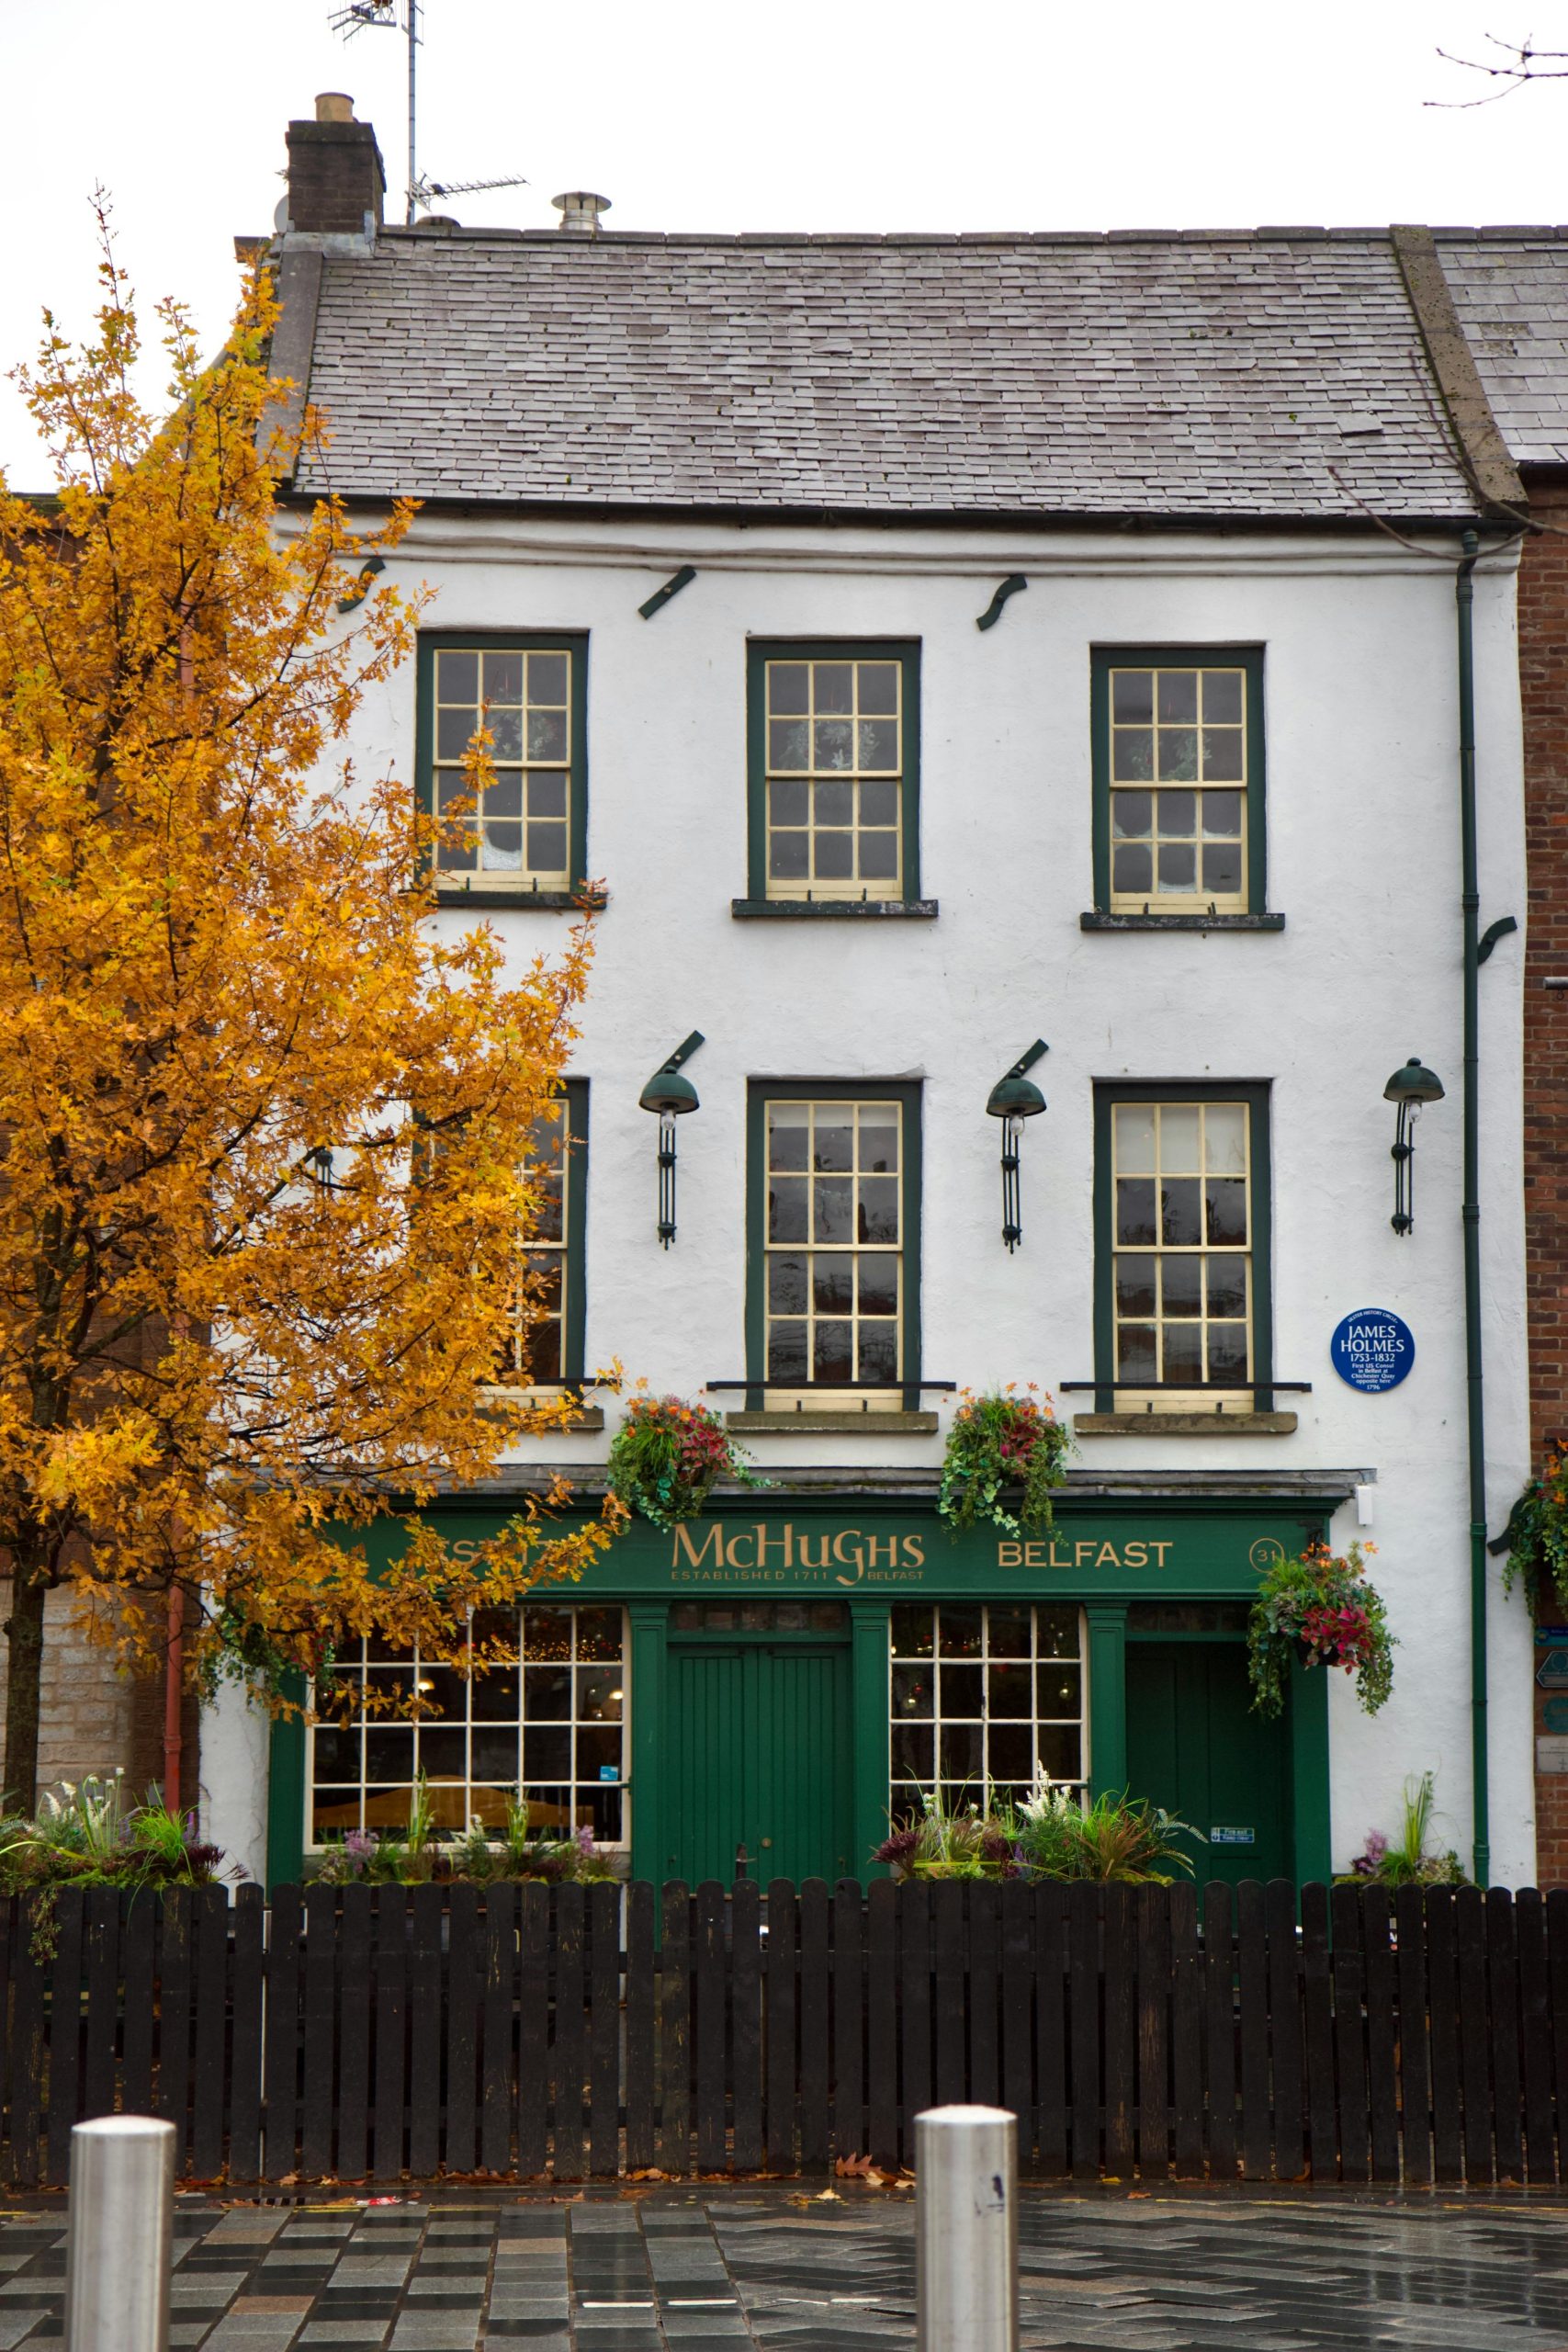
1183,804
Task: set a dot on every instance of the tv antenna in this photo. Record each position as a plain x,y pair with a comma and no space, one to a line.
360,16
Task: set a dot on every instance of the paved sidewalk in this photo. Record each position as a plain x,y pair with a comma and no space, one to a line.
666,2269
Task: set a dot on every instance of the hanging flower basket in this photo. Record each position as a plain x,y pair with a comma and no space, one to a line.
1536,1538
666,1456
1321,1610
1002,1440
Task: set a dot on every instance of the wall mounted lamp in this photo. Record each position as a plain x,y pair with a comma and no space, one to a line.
1410,1086
1013,1099
672,1095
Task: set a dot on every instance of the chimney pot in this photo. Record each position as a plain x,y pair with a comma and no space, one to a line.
333,105
579,211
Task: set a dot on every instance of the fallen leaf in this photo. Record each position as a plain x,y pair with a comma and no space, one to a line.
649,2172
826,2197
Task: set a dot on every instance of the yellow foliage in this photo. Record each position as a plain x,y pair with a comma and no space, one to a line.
219,1349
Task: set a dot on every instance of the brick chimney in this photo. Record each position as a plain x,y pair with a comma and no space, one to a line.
335,173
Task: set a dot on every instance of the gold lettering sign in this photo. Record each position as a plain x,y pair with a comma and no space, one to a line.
764,1554
1088,1552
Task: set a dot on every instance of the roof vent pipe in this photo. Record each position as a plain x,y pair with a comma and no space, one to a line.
580,209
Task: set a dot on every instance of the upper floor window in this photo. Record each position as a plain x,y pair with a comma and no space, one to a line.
1179,780
834,1265
543,1337
523,835
1182,1244
834,771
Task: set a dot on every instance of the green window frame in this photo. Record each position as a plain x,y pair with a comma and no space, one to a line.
1255,1394
1184,830
562,1242
810,783
763,1094
523,885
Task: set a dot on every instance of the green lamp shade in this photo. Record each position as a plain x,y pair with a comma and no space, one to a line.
667,1090
1414,1083
1014,1097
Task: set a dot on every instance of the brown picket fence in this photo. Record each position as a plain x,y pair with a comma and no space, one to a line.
376,2034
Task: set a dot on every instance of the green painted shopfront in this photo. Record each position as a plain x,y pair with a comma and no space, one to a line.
783,1676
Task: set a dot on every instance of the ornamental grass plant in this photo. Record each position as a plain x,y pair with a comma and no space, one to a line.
1321,1609
85,1835
1054,1832
996,1440
479,1856
666,1456
1405,1861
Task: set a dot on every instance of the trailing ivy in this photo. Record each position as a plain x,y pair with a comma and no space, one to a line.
1002,1440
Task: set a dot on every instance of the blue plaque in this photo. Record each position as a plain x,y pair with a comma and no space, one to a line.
1373,1350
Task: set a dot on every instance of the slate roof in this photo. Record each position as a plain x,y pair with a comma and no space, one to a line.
1510,288
1213,376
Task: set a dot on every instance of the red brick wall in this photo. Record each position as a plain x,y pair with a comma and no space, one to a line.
1543,668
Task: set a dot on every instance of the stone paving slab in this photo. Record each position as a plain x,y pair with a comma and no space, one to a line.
774,2269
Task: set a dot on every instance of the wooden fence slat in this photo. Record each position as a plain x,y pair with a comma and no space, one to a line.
1383,2061
914,2011
1018,1979
570,2067
245,2039
984,1991
321,1985
1120,2013
1186,2034
209,2085
1252,1972
172,2093
816,2022
779,2138
1086,2042
882,2021
1317,1999
385,1932
1350,2038
954,1993
1415,2071
641,2018
534,2027
102,1967
1503,1995
426,2001
1052,2028
64,2037
708,1908
1153,1924
1285,2029
34,1929
1220,2028
497,2099
605,2031
849,2025
745,1997
1535,2034
462,2027
1474,2034
282,1996
9,1921
1442,2014
356,2007
1557,1969
674,2034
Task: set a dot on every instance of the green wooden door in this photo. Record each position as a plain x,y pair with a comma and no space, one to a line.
1195,1747
757,1752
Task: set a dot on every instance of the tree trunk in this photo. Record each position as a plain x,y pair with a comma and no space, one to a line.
24,1669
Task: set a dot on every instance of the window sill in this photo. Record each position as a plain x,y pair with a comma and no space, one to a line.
1161,1425
584,1422
1097,920
831,910
822,1422
526,902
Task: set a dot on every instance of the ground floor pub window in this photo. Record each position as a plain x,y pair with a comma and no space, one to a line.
550,1722
983,1694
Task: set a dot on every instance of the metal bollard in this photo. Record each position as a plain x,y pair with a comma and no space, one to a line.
121,2223
967,2230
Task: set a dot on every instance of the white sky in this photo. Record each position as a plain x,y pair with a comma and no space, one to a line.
717,114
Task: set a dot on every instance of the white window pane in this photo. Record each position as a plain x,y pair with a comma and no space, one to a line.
1178,1145
1134,1139
1225,1139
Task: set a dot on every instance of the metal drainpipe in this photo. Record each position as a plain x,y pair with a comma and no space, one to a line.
1474,1398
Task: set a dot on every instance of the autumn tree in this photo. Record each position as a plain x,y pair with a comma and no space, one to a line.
267,1141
